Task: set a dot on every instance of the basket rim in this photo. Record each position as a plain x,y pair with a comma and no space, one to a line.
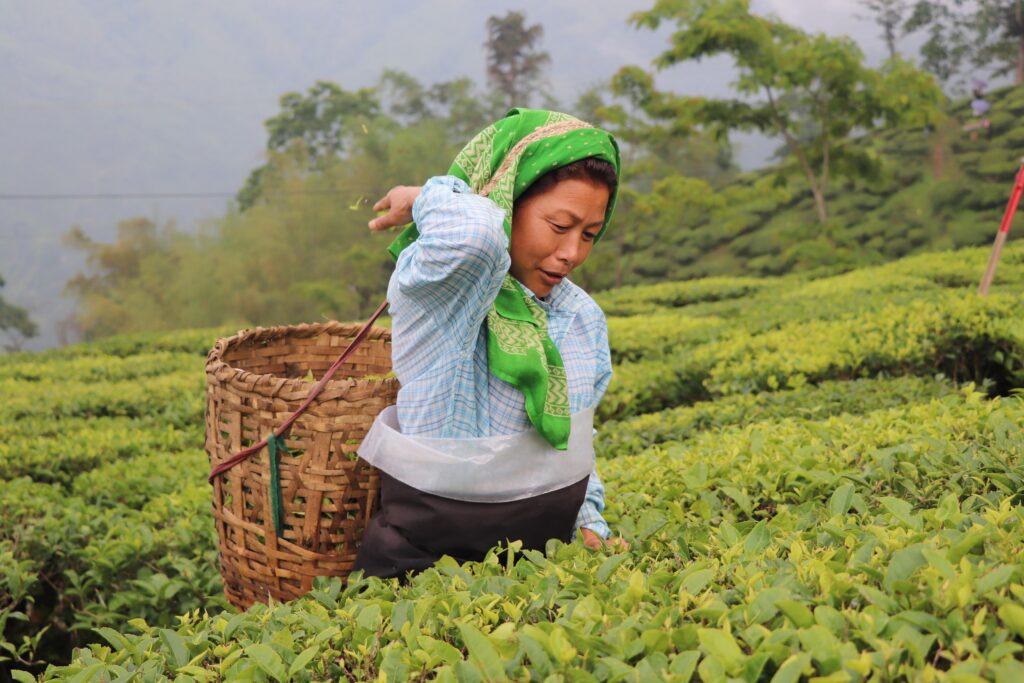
224,372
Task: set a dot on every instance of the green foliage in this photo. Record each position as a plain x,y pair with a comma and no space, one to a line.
794,508
649,298
59,451
759,229
296,248
90,561
15,323
632,435
326,119
812,92
730,337
876,551
985,33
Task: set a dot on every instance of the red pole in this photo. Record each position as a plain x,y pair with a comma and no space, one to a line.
1004,231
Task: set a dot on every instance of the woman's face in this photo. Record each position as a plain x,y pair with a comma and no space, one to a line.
553,232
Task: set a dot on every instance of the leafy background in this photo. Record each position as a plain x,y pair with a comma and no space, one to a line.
812,438
820,479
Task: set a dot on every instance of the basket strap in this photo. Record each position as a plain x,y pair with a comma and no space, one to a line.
276,504
283,429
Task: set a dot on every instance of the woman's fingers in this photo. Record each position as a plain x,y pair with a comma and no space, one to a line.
595,542
590,539
383,222
383,204
398,204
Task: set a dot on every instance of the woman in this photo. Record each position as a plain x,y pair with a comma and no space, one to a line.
501,359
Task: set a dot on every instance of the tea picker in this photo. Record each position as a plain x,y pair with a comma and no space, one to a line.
502,361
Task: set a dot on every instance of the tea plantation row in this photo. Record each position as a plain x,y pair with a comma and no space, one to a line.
820,479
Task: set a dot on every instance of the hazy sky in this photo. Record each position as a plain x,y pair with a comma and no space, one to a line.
170,96
133,96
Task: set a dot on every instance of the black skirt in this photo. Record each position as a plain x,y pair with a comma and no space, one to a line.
413,529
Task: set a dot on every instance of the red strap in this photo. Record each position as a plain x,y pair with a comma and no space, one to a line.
283,429
1011,207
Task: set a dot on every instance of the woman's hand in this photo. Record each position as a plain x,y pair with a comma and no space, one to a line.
595,542
398,204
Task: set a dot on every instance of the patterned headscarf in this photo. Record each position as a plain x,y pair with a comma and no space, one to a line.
501,162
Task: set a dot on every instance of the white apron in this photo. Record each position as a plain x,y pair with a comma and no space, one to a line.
493,469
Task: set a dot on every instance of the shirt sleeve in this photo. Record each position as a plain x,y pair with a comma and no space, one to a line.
593,505
445,282
603,376
589,516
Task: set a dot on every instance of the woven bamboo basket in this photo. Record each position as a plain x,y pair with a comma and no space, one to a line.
255,381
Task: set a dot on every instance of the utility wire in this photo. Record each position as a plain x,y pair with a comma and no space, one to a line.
158,195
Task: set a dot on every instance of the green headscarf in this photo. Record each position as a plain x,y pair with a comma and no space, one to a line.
501,162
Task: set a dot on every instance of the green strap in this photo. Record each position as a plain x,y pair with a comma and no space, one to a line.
275,442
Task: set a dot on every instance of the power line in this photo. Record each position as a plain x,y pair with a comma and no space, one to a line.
119,195
158,195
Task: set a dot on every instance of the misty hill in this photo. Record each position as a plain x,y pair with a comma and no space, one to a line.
937,190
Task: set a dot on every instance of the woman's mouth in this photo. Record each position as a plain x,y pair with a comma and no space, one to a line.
550,278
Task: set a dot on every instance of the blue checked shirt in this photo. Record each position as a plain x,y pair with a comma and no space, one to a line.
442,288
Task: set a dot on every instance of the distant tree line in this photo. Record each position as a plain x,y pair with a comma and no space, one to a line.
294,245
984,35
15,323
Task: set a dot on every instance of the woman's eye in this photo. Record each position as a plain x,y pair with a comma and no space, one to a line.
590,236
558,227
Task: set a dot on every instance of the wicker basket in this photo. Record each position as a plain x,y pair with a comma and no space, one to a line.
255,381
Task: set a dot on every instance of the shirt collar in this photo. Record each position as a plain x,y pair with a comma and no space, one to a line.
564,297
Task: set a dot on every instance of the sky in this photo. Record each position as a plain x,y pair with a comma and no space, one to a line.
137,96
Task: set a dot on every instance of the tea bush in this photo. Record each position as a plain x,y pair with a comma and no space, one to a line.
821,480
852,548
629,436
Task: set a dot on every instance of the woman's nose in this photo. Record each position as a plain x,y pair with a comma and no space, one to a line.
569,249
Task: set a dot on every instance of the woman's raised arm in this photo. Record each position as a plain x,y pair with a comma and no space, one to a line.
445,282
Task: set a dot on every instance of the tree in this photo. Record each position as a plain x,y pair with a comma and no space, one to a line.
15,323
890,16
130,283
946,48
670,178
514,65
997,32
454,103
811,91
300,252
325,119
654,149
985,33
331,124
